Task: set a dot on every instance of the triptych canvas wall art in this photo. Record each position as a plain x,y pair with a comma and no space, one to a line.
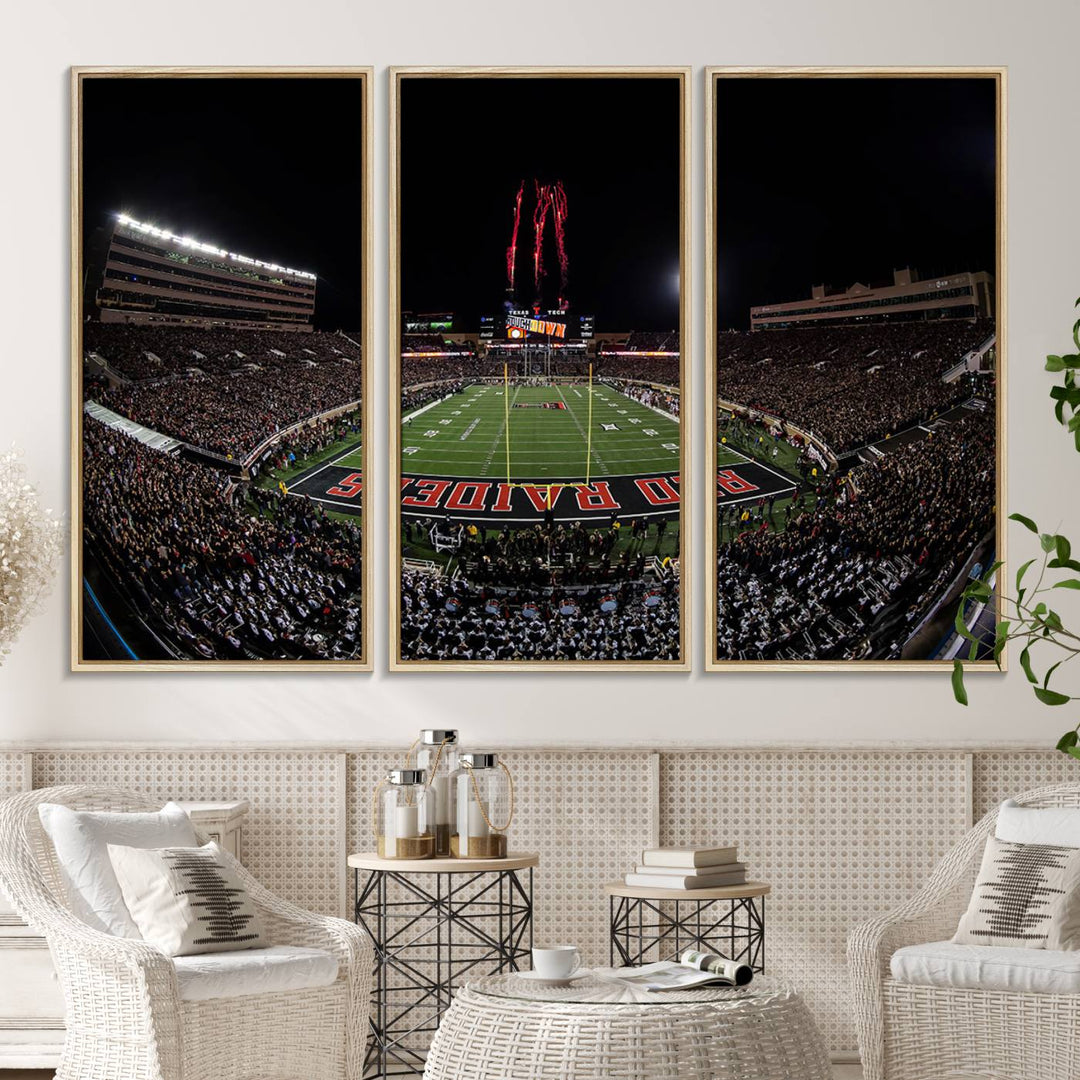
539,367
855,422
539,328
221,340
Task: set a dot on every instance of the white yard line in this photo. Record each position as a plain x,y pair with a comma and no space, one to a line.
584,435
324,465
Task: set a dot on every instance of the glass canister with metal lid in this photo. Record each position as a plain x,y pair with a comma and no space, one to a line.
437,753
405,811
485,807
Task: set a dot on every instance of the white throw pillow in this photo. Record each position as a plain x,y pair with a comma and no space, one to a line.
80,839
187,900
1025,896
1057,825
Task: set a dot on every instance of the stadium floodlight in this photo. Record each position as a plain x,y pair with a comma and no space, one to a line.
211,249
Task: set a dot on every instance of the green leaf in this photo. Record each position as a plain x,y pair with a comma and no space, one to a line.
1022,571
960,626
978,590
958,682
1048,541
1064,548
1001,636
1063,564
1025,663
1051,697
1070,738
1068,583
1050,671
1025,521
973,650
1074,751
1055,363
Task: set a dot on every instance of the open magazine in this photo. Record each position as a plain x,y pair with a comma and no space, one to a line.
692,970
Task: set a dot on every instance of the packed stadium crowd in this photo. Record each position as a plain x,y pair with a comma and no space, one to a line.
153,352
232,414
221,574
451,619
655,399
299,445
840,566
848,385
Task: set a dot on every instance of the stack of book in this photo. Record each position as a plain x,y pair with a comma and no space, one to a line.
694,867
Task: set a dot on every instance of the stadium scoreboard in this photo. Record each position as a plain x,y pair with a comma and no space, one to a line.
519,324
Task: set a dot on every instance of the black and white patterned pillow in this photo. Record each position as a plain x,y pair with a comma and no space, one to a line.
186,900
1026,895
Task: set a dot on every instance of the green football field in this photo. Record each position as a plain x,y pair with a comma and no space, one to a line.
466,435
727,455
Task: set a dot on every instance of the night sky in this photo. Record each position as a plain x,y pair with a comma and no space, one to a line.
832,181
270,168
466,145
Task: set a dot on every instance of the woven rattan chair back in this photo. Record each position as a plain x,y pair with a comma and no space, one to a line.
27,857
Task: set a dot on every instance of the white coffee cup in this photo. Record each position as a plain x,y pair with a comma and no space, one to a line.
556,961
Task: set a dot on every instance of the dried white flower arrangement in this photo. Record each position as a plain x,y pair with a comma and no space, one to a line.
31,542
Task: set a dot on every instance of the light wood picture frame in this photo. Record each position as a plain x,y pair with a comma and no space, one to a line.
522,309
775,642
245,424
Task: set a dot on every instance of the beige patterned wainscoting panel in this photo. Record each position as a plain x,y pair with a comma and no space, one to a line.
588,815
14,772
999,775
291,836
840,835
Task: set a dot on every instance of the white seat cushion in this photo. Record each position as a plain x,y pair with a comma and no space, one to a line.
988,967
253,971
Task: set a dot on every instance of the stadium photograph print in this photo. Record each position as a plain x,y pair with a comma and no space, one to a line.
855,345
221,337
538,250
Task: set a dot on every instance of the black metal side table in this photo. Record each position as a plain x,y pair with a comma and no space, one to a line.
433,922
659,924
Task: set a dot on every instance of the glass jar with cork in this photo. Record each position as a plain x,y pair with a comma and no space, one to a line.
405,812
437,753
485,807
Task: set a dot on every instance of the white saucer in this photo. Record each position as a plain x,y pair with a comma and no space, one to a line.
536,977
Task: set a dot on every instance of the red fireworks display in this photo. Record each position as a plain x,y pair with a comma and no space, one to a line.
540,213
558,213
511,251
550,198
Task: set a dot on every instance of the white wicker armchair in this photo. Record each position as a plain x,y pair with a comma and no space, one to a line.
124,1016
911,1032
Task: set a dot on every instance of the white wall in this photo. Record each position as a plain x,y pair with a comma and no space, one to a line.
39,698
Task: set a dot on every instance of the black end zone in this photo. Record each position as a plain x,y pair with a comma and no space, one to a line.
749,481
337,487
496,503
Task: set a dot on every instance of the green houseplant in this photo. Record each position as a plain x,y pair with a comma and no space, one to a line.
1027,616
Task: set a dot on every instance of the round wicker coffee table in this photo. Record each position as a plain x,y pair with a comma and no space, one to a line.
504,1027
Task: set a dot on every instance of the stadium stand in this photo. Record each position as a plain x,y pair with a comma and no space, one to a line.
452,619
232,414
219,572
848,385
150,352
852,575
